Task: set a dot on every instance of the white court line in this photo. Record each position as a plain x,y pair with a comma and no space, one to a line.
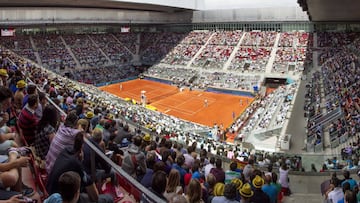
167,110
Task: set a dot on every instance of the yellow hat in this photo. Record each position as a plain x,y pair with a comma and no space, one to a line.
246,191
89,114
237,182
79,101
258,182
3,72
219,189
20,84
147,138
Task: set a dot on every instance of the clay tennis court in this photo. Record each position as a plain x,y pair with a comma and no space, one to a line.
187,105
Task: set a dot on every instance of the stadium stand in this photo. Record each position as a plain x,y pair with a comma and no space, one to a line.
230,60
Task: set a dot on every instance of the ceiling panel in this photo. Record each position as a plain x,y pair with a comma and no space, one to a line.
334,10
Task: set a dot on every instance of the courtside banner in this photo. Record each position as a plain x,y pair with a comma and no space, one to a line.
7,32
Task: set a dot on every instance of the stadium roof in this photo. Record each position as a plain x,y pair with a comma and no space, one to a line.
332,10
141,5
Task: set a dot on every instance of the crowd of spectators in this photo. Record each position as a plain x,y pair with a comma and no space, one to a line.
285,56
259,38
226,38
213,56
53,53
72,96
159,45
226,80
98,50
20,45
181,54
251,59
104,74
197,37
203,79
342,81
85,51
178,76
267,112
296,39
117,53
276,99
130,40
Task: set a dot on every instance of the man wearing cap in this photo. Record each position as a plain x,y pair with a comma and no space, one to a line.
259,195
3,77
88,116
228,196
19,94
246,193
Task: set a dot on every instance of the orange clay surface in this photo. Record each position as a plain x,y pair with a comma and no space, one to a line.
187,105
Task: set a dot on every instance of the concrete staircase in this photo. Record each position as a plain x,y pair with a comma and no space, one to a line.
118,41
199,52
103,53
36,53
315,40
70,52
271,61
228,62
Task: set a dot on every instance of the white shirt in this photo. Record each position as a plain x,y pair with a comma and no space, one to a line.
283,180
207,169
336,195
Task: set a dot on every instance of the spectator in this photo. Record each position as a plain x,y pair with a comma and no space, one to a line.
42,104
232,173
194,192
229,195
246,193
10,176
31,89
70,160
6,136
152,167
209,166
210,186
173,185
218,172
248,169
259,195
134,160
270,189
349,180
19,94
337,193
103,169
313,168
45,131
28,120
64,137
3,77
219,189
158,185
284,179
179,165
69,189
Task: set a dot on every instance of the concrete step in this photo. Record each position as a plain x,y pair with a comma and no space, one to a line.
303,198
